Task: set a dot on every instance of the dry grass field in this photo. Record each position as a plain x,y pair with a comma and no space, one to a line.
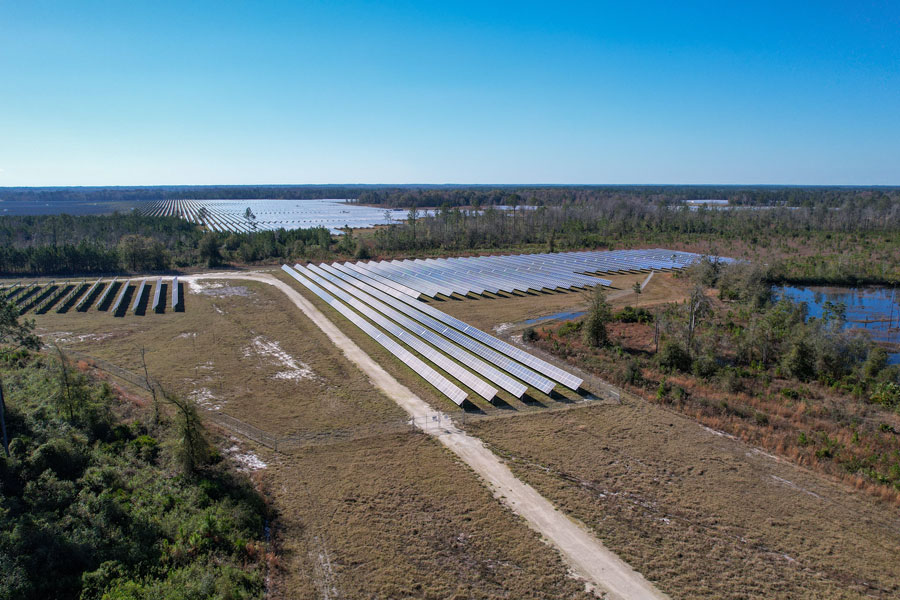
397,516
385,516
702,515
241,348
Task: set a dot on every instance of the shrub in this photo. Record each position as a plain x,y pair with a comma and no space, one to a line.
800,361
629,314
705,366
570,327
632,374
529,335
673,356
790,393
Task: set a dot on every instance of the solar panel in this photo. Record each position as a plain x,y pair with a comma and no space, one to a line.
157,295
272,214
494,375
12,291
430,375
84,302
139,294
410,309
107,294
540,366
120,297
520,272
464,376
176,294
77,289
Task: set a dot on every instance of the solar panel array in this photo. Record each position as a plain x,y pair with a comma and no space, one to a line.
231,215
443,384
109,295
405,325
520,273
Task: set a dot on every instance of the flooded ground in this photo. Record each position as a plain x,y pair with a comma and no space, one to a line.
873,310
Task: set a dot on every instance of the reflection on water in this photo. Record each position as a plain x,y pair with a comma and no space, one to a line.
873,310
562,316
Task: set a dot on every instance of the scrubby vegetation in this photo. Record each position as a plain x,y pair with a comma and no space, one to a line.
98,502
739,361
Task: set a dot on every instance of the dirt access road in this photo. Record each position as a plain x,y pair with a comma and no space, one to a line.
604,572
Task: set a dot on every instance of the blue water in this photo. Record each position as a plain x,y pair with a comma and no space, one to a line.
562,316
873,310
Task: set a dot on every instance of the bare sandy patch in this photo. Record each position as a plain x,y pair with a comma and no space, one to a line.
293,369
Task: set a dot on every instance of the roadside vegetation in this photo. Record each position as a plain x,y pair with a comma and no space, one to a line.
740,362
103,498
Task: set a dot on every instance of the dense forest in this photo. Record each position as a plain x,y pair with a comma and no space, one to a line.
91,244
101,498
846,236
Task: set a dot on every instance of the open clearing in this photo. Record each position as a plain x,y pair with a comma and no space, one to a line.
423,504
664,493
699,514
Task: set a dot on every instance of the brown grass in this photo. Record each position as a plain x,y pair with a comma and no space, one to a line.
399,517
699,514
394,516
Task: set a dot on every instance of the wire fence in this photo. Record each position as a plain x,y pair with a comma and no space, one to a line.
431,423
260,436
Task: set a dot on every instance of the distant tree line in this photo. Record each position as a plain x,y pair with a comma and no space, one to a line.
480,196
67,245
847,236
597,223
407,196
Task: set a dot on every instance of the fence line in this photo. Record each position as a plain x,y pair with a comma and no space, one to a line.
277,443
431,422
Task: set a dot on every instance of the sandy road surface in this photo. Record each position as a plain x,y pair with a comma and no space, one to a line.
587,556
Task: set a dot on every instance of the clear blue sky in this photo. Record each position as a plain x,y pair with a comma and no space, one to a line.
129,92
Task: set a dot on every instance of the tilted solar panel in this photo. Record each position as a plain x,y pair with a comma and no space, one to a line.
461,374
359,289
411,309
541,366
440,382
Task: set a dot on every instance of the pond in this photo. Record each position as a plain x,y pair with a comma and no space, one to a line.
561,316
873,310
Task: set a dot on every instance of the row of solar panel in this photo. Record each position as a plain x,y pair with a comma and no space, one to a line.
229,215
43,297
520,273
465,353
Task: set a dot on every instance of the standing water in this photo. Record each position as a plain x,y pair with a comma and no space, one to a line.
873,310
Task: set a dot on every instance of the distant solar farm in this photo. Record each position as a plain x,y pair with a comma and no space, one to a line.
244,216
115,296
382,298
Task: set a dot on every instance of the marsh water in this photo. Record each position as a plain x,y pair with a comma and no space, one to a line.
874,310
